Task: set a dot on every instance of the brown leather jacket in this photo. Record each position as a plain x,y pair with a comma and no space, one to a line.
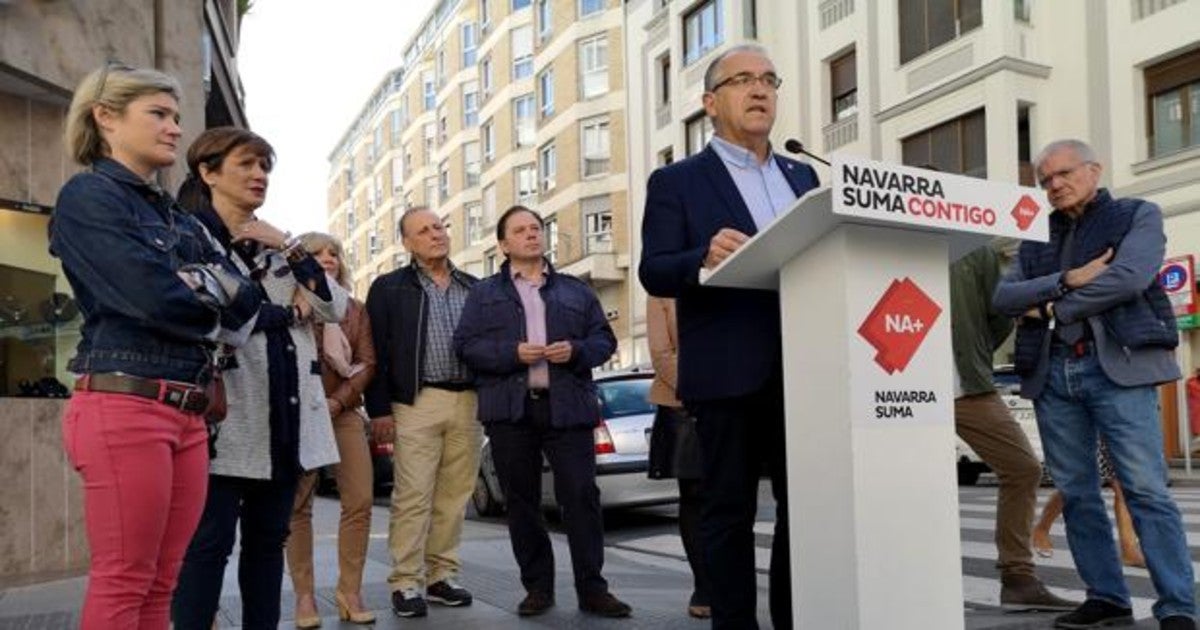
357,327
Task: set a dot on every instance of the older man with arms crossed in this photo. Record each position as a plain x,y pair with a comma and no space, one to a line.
1095,337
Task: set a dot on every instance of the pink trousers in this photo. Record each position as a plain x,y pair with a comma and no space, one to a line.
145,474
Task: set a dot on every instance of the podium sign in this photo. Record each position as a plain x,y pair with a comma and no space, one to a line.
867,369
923,199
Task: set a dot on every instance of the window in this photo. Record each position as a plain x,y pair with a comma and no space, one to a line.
547,167
1173,104
1021,10
664,79
523,120
666,156
431,185
597,225
485,74
376,144
487,134
440,66
407,160
519,4
526,183
469,44
927,24
397,174
351,220
372,243
699,131
595,147
443,182
443,126
546,92
378,191
471,166
430,139
429,91
703,30
489,205
545,19
490,263
397,126
843,81
957,146
552,240
522,52
474,214
470,104
593,66
485,15
589,7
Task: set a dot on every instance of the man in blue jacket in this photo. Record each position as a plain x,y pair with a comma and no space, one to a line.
531,336
1096,335
698,212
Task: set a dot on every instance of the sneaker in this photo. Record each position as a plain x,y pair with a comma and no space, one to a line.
1027,593
448,592
1095,613
1177,622
604,605
408,603
535,603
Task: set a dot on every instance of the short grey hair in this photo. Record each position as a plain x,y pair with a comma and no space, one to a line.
1082,149
710,73
408,212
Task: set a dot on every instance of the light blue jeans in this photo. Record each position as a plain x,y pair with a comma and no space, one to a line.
1078,403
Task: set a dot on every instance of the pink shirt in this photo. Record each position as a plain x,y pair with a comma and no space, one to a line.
535,325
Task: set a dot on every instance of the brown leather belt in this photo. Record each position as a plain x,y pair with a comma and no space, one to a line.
182,396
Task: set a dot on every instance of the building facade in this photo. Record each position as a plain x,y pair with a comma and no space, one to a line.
970,86
46,48
496,103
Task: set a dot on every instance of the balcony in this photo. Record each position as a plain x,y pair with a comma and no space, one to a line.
832,11
840,133
599,269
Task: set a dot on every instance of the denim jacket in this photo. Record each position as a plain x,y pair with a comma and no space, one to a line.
121,240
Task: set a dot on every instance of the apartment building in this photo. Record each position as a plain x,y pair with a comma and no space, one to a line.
46,48
971,86
497,102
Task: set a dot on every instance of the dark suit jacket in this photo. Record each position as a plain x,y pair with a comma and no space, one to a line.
729,339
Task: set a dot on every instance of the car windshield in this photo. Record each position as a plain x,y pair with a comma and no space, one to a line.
622,398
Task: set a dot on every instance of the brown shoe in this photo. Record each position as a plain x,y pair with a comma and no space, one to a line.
699,612
604,605
535,603
1027,593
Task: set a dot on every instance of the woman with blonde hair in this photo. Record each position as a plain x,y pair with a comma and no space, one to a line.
347,365
134,428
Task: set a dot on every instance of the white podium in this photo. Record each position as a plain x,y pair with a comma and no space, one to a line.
864,296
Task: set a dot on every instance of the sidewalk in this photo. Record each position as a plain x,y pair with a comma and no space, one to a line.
656,587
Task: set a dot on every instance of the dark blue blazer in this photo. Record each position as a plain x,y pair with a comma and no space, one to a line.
729,339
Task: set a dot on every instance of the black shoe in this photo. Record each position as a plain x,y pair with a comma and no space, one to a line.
448,592
1177,622
1095,613
409,603
535,603
604,605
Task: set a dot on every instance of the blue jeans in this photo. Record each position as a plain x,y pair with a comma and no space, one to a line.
1079,403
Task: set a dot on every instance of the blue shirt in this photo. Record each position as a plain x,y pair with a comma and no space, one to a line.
762,186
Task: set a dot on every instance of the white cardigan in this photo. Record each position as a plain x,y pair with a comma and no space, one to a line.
244,439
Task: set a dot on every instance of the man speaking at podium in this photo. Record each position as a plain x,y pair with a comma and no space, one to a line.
699,211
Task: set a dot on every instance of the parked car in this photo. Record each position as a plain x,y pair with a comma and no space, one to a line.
1008,385
622,451
381,467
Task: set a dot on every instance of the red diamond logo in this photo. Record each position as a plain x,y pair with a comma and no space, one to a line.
1025,212
899,323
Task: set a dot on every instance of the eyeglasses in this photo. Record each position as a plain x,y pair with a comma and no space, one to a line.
108,67
1045,181
769,80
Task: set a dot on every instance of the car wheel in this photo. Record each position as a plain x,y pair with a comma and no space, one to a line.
968,474
484,499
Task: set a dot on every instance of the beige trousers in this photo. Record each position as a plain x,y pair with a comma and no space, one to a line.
983,422
354,482
436,463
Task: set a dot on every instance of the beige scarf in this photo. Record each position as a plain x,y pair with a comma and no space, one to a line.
338,352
